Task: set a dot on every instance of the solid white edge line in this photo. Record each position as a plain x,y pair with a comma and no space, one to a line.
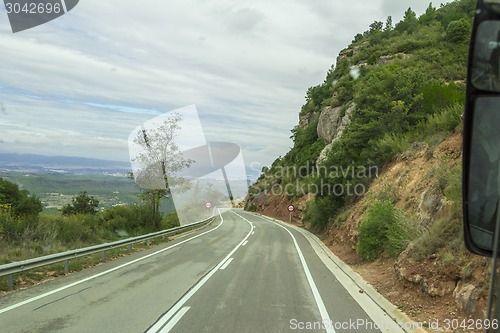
105,272
166,317
227,263
392,320
317,297
175,319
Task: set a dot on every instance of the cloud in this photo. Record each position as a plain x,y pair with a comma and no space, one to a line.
244,19
81,83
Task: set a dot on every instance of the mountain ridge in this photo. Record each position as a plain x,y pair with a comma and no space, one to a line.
41,163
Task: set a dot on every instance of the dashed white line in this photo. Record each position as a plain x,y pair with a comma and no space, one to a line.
227,263
244,243
166,317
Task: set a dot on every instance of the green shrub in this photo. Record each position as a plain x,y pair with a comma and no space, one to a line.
459,31
448,120
320,212
123,218
432,131
170,221
382,230
11,227
81,204
78,228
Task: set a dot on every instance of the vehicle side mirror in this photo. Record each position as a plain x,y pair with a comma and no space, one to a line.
482,175
481,135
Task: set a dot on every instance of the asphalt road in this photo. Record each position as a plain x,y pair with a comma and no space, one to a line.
243,273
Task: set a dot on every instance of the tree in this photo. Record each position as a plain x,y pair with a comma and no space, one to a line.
81,204
28,204
388,24
357,38
408,23
458,31
160,159
19,201
429,15
376,26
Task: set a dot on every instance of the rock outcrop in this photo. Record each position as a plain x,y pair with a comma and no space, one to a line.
331,125
328,123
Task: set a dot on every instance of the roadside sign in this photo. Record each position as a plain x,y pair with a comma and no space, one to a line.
208,205
290,208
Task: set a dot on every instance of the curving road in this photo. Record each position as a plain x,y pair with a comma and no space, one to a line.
243,273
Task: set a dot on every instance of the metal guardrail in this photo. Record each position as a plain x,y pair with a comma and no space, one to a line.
19,266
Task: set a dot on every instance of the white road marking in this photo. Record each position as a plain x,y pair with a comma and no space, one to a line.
166,317
319,301
175,319
105,272
245,243
370,306
227,263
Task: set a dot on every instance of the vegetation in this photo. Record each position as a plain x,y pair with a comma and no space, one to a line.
57,189
383,230
81,204
26,231
18,202
403,85
406,83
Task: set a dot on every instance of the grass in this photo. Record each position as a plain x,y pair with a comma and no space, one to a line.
443,238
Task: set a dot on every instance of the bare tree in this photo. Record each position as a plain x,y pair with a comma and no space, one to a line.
159,160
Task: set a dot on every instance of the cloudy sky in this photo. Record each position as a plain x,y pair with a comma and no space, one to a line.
80,84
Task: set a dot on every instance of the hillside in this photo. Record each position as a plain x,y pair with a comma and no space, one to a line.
375,166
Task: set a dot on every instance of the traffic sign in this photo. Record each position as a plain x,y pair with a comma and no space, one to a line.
290,208
208,205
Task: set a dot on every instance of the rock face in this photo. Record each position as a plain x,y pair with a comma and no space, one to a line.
306,119
328,124
387,59
466,297
331,126
344,54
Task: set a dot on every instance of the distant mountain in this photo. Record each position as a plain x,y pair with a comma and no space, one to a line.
63,164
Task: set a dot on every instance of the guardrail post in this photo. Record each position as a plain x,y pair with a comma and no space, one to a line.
103,255
148,242
10,281
130,248
66,266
